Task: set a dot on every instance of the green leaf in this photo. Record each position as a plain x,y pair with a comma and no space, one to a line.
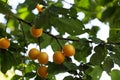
82,3
71,26
4,8
96,73
115,54
108,13
68,78
108,64
38,78
30,74
45,40
103,2
51,77
93,31
83,50
56,68
98,57
115,74
70,66
16,77
7,62
116,58
55,46
42,20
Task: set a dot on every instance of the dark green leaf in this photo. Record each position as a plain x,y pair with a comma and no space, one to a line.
98,57
42,20
108,13
108,64
116,58
68,78
70,66
115,55
7,62
4,8
56,68
83,50
71,26
16,77
30,74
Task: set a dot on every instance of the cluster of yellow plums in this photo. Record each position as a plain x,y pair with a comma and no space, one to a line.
58,58
42,57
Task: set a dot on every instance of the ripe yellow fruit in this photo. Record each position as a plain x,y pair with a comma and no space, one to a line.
33,53
39,7
42,71
68,50
4,43
42,58
36,32
58,57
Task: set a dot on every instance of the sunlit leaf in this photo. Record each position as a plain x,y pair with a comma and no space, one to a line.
115,74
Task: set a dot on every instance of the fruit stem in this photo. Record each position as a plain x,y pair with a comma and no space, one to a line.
39,43
59,43
6,27
23,33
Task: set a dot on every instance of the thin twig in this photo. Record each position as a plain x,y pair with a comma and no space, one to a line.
19,19
61,38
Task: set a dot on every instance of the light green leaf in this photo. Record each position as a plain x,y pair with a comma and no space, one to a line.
115,74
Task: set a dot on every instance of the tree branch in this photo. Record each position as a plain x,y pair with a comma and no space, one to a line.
21,20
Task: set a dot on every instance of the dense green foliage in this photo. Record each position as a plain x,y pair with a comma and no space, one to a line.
103,56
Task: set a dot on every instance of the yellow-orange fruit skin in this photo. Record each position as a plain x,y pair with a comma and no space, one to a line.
33,53
4,43
42,58
58,57
39,7
68,50
36,32
42,71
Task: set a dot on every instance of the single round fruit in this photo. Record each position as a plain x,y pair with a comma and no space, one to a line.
42,71
58,57
68,50
42,58
33,53
39,7
4,43
36,32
